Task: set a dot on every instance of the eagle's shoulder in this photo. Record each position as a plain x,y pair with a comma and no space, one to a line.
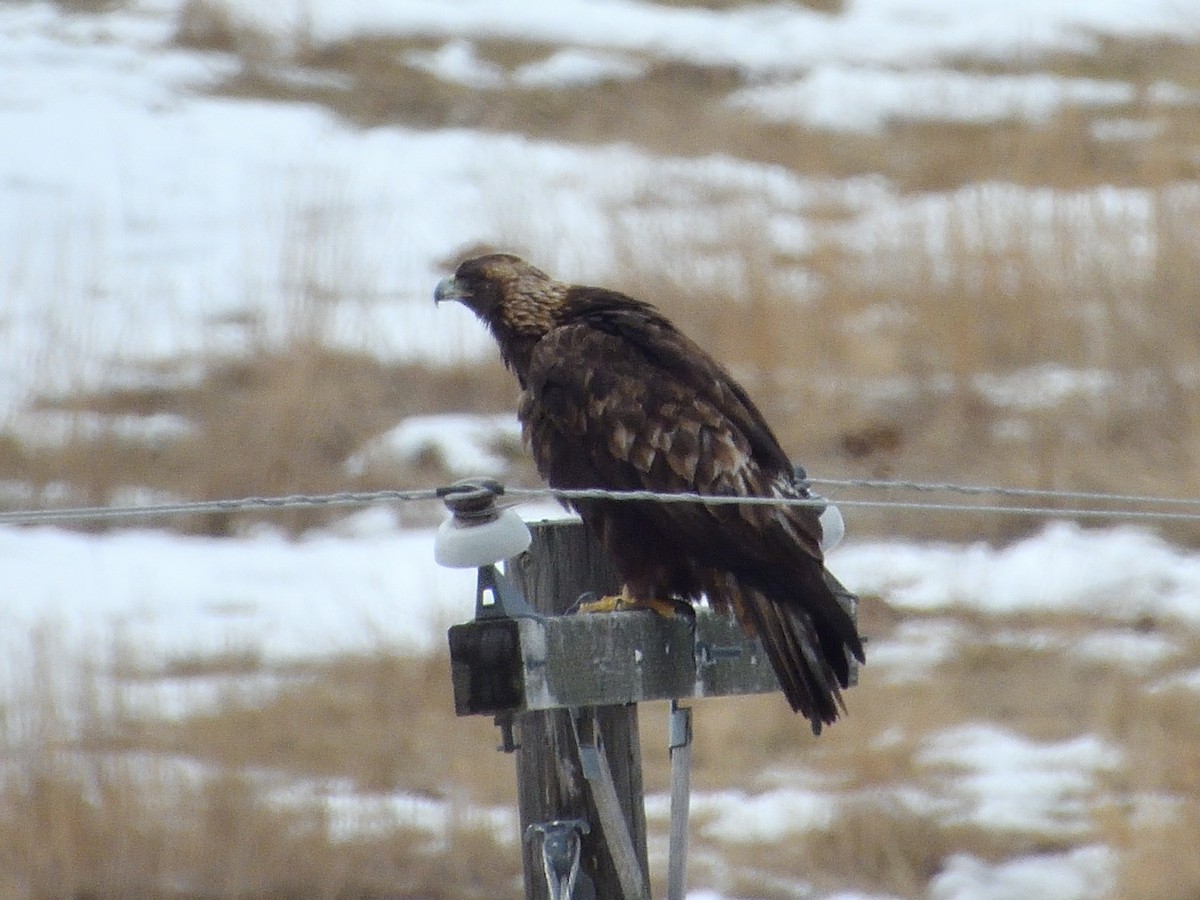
609,339
620,386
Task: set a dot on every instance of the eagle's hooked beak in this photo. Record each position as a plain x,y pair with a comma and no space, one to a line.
448,289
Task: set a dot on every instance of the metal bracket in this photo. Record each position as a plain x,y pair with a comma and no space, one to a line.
680,746
561,847
486,660
498,598
508,741
608,807
709,655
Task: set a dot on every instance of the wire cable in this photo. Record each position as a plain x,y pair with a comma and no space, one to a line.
365,498
241,504
726,500
986,490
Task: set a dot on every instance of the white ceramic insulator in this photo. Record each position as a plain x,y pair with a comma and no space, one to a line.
833,528
462,546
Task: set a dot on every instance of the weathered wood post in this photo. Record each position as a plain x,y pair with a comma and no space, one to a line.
565,689
562,563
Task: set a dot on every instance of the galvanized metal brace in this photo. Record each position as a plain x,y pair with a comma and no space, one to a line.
679,742
604,794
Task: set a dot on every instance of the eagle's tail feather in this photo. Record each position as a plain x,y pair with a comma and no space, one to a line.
809,651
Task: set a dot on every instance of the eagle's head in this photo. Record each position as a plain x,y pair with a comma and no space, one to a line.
514,299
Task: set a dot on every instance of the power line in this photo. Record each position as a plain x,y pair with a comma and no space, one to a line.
199,507
991,509
365,498
985,490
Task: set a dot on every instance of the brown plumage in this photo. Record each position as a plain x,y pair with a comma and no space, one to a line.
614,396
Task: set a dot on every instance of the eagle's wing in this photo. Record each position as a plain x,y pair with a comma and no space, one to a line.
633,404
602,410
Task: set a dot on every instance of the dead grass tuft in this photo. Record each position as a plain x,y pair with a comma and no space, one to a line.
216,28
89,7
1155,865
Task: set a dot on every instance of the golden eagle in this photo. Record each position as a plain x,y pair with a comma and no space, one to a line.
614,396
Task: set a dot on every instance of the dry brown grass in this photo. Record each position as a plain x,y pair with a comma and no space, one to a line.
393,709
89,7
98,801
212,27
134,836
111,800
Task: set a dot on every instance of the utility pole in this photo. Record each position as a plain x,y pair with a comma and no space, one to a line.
562,563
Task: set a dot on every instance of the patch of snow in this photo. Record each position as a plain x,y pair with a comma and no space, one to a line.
177,697
53,428
457,62
1136,651
1044,386
353,814
840,98
464,444
1167,93
1068,236
175,596
1080,874
1188,681
1124,574
1125,129
1155,810
755,38
915,649
774,816
1125,648
1009,783
576,68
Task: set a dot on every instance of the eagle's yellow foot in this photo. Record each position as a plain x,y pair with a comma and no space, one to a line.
668,609
616,603
622,602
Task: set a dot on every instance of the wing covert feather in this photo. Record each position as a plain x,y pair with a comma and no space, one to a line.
598,412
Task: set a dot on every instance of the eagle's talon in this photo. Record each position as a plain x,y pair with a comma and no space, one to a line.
622,602
608,604
672,607
583,600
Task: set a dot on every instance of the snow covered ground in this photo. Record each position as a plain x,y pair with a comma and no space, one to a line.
165,223
369,584
141,220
